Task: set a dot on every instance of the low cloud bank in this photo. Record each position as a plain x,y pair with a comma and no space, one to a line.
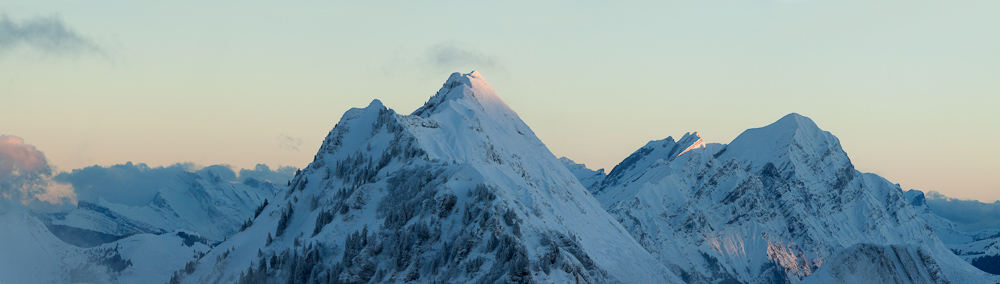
27,179
264,173
138,184
968,215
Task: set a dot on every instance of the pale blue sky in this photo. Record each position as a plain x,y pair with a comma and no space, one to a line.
911,88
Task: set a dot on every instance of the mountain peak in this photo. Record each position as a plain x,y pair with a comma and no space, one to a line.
794,121
377,104
466,79
471,88
791,127
793,138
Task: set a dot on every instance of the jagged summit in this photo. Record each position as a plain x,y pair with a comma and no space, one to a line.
656,151
693,139
464,118
467,79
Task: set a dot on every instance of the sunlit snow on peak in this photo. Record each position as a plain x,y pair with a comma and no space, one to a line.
697,144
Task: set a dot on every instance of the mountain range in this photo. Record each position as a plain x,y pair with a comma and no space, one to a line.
462,191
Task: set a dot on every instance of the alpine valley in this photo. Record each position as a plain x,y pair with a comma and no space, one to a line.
462,191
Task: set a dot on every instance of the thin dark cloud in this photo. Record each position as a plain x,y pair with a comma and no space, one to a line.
288,142
452,57
48,34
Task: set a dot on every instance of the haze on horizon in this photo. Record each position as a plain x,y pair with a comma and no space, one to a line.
909,87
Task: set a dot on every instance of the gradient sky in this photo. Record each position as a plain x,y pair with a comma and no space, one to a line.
911,88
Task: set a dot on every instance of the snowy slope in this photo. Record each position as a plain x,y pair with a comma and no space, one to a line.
459,191
32,254
868,263
590,179
772,206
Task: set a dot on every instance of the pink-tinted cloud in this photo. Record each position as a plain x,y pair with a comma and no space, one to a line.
19,158
26,177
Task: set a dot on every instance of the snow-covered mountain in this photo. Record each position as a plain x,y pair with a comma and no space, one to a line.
459,191
980,248
773,206
109,242
32,254
462,191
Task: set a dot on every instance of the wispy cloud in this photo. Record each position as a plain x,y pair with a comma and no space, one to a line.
452,57
442,58
48,34
288,142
